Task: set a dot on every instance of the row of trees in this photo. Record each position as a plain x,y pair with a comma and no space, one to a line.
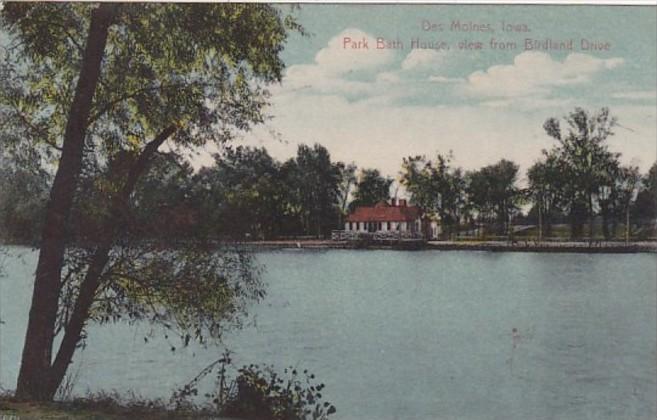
582,178
489,195
247,194
575,181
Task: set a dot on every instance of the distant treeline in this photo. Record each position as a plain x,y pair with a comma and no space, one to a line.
246,194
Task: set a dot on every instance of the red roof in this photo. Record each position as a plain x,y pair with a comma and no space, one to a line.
383,212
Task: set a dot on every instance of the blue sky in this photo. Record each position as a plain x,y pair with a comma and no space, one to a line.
376,106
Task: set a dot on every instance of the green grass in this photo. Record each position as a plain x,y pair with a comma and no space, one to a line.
95,407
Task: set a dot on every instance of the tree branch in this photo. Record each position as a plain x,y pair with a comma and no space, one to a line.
100,258
127,96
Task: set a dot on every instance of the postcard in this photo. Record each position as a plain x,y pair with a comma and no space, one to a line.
350,211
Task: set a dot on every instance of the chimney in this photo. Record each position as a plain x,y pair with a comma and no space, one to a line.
402,203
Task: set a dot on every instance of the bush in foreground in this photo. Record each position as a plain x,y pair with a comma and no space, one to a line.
260,393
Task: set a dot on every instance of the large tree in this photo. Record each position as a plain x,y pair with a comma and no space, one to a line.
108,85
545,190
493,192
436,187
645,208
371,188
315,184
627,184
585,159
243,194
348,180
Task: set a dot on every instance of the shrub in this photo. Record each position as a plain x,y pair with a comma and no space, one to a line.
260,393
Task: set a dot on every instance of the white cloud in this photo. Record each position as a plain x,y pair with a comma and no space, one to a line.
425,59
530,103
378,134
636,95
397,108
314,77
443,79
364,73
338,57
535,73
388,77
333,64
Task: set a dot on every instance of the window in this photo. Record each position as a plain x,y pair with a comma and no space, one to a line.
388,225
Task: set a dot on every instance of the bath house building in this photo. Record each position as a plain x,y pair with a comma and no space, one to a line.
397,216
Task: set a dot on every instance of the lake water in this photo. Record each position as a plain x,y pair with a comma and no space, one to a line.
411,335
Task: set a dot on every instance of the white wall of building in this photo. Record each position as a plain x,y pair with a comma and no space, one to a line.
414,226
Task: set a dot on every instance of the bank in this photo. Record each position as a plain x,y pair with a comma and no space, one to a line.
87,409
611,247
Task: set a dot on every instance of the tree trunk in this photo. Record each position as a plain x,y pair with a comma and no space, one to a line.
548,227
36,360
540,222
507,223
590,205
614,224
605,222
573,224
92,279
627,225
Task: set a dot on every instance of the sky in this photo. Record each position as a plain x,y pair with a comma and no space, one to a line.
445,93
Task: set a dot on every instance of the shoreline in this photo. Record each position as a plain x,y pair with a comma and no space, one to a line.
98,407
584,247
596,247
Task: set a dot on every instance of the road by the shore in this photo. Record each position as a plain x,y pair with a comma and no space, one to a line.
495,246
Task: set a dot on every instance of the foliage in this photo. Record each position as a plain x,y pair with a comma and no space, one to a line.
195,66
645,207
94,91
371,188
545,188
196,291
259,393
627,184
315,182
347,181
247,194
23,196
262,393
585,161
162,206
436,187
493,193
242,195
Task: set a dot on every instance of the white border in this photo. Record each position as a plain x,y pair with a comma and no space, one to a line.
451,2
427,2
